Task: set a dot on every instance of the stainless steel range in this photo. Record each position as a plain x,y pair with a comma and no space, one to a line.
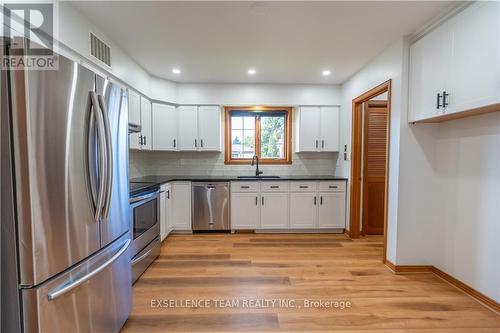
145,226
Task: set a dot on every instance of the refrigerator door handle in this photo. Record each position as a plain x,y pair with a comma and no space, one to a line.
102,162
65,288
109,156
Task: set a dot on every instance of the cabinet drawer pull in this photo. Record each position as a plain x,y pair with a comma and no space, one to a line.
303,186
333,186
244,186
445,95
256,201
315,200
321,200
262,201
275,186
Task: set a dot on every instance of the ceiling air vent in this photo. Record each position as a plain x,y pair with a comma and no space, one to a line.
100,50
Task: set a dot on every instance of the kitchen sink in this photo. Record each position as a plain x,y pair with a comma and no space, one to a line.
259,177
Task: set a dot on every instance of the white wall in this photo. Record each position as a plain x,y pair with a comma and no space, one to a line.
74,30
468,165
163,90
388,65
444,182
251,94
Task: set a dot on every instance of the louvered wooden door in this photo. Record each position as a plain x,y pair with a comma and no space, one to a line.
374,164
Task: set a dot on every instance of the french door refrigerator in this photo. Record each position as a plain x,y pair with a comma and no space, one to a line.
65,201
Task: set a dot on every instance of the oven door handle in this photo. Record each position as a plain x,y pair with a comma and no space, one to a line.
143,197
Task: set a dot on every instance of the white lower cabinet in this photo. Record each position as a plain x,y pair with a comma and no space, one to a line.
180,197
331,212
165,211
303,210
245,210
274,210
163,215
288,205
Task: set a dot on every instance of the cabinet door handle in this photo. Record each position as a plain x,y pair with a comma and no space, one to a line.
195,143
322,143
140,140
168,194
445,95
438,101
175,143
315,200
144,140
201,141
321,200
262,201
256,201
316,143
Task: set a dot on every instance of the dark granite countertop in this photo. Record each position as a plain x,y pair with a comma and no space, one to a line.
165,179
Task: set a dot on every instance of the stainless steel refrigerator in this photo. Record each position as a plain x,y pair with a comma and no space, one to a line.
65,201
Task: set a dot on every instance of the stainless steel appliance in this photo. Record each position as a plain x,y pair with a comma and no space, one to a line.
66,201
210,206
145,222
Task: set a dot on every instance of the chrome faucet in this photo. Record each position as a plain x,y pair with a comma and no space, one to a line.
257,172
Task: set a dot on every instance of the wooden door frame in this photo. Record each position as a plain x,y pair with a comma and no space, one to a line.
356,160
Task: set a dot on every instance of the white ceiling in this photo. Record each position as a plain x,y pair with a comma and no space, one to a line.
286,42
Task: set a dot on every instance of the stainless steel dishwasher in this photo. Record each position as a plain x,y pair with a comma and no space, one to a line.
210,205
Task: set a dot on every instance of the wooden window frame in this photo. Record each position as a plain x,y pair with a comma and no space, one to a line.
288,134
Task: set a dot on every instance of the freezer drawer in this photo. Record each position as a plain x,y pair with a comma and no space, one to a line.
210,206
95,296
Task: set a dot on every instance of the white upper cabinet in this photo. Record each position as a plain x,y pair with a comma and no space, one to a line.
318,129
188,127
329,129
134,117
456,67
164,127
209,128
308,129
474,72
428,66
147,138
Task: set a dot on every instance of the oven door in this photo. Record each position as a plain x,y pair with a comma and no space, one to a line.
145,220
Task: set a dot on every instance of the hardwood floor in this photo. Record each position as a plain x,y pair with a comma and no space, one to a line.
294,268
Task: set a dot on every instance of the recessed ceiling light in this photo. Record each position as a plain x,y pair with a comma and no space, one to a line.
176,70
252,71
326,72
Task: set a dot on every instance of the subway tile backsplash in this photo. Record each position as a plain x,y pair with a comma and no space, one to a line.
144,163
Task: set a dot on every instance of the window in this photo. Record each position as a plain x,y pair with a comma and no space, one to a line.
261,131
